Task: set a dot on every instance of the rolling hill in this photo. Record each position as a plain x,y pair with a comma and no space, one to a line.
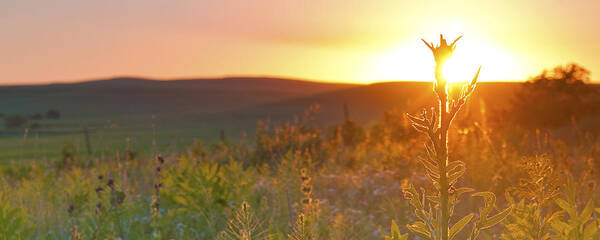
119,97
152,115
223,103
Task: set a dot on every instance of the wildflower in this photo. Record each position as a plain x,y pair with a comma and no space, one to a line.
75,232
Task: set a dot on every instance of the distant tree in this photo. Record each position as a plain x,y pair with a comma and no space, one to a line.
2,115
53,114
36,116
554,97
14,121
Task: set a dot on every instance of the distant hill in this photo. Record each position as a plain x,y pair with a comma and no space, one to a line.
134,96
167,116
367,103
227,103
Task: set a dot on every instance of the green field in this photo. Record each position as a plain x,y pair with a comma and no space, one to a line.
147,116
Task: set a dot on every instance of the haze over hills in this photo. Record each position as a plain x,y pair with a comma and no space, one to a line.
168,116
227,102
132,96
366,103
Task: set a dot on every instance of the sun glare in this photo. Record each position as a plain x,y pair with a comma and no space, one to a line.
496,64
411,60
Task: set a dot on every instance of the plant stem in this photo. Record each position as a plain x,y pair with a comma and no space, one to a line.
443,152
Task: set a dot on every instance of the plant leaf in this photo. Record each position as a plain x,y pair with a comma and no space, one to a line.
567,207
587,212
420,229
395,233
491,221
458,226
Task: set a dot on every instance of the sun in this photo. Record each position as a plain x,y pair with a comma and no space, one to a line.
412,60
497,64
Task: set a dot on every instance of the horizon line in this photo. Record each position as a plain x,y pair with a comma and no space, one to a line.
227,76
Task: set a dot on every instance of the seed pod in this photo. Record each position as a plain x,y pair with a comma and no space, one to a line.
110,183
71,209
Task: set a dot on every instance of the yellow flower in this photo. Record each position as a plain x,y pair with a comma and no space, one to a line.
442,52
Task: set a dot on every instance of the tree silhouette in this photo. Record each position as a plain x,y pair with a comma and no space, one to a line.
554,97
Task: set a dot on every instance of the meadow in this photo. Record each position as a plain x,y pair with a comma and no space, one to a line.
505,161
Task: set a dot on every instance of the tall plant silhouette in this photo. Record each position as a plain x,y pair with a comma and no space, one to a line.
434,211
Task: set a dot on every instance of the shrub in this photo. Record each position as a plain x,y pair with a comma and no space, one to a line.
68,155
392,126
36,116
14,121
290,137
564,89
350,133
52,114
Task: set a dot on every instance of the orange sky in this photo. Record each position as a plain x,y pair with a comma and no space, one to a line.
333,40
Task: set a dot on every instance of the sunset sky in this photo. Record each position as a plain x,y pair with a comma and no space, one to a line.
333,40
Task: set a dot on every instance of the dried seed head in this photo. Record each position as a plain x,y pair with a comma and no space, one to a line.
306,189
71,209
110,183
307,201
100,177
304,175
99,189
304,178
245,206
160,159
158,169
